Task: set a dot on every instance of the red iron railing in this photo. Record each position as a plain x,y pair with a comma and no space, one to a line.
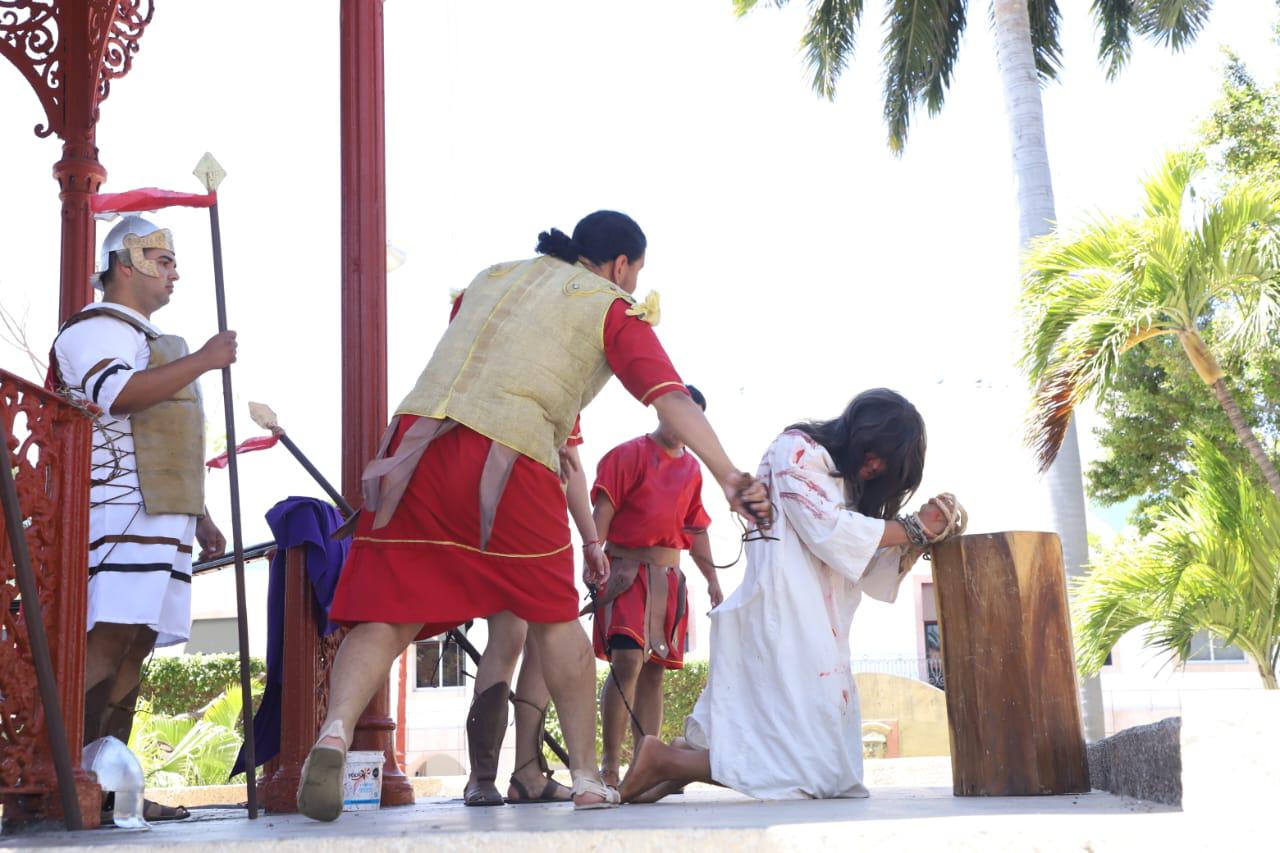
50,446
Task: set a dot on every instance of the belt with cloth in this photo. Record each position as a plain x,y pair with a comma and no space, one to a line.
624,566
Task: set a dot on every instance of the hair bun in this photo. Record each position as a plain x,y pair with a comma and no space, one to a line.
558,244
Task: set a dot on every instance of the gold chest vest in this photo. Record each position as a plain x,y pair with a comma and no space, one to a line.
523,357
168,438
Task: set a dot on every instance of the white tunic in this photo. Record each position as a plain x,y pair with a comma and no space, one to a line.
780,710
139,563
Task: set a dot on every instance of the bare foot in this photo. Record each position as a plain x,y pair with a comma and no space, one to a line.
611,776
647,769
657,792
333,741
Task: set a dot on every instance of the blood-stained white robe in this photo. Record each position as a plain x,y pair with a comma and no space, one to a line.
780,710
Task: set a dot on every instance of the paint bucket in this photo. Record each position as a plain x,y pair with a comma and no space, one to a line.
362,784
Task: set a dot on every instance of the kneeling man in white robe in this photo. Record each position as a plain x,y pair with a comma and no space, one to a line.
779,715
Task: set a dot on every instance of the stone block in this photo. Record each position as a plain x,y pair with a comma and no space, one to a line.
1144,762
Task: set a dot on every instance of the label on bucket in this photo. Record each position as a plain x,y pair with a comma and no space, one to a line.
362,785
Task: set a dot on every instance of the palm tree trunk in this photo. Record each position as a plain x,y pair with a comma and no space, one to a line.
1035,217
1243,431
1268,679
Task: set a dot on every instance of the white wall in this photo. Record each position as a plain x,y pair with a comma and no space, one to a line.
1143,685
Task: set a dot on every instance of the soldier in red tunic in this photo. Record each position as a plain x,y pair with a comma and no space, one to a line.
648,508
464,513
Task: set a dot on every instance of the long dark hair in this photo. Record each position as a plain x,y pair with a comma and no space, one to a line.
886,424
599,237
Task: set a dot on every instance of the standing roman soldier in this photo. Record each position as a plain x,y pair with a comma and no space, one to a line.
465,516
147,478
648,508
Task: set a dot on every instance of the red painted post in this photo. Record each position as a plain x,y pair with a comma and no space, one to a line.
364,305
278,786
79,175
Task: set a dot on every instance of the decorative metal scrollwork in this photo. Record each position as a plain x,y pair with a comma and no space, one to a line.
44,433
29,39
33,36
122,28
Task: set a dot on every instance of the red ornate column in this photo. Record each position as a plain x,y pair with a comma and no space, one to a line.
364,306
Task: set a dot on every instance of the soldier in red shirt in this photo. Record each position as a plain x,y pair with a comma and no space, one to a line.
648,508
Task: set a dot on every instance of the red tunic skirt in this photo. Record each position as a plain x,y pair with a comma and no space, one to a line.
425,564
627,619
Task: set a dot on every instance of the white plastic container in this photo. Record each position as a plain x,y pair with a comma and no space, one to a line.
362,785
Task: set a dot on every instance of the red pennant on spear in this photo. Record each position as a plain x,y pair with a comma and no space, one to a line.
265,417
211,174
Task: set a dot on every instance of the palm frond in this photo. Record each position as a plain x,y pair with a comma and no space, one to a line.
1114,20
742,7
828,41
922,43
1046,21
1120,593
1086,359
1244,211
1090,295
225,709
1209,565
1167,188
1173,23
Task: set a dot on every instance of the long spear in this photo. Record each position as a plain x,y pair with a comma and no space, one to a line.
265,417
211,174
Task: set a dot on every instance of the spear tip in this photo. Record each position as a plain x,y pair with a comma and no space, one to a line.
209,171
263,415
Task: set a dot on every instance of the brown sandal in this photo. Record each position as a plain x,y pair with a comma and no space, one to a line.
152,812
547,795
552,791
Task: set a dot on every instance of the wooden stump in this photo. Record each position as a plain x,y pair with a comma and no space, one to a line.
1012,707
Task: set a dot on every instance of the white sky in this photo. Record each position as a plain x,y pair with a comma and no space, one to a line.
798,261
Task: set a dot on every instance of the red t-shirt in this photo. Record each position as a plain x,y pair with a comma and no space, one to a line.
657,497
634,354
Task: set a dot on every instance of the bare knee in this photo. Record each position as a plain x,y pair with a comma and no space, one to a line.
627,665
507,634
652,671
144,642
106,649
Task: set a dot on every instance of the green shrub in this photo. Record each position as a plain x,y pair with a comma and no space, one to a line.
680,689
187,683
188,749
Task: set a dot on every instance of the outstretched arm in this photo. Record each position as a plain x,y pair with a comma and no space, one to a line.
683,417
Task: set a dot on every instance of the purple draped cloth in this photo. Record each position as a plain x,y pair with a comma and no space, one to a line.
306,523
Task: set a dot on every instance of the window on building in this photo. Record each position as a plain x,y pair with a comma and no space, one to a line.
440,663
1205,647
933,655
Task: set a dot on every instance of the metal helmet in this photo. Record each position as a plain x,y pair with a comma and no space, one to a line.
118,771
132,234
